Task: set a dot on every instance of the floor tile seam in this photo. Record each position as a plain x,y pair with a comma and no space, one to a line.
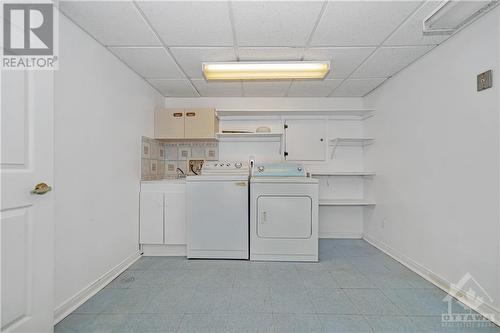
368,322
396,305
398,316
180,323
350,300
359,309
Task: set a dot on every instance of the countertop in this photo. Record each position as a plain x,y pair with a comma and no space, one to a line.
173,180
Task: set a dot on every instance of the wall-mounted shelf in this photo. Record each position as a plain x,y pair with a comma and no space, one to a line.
357,114
352,142
346,173
346,202
249,137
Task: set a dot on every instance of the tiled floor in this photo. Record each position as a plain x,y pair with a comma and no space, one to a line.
354,288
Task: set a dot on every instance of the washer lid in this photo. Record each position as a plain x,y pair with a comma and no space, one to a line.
239,177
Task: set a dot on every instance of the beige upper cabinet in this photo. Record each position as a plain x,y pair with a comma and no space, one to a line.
169,124
200,123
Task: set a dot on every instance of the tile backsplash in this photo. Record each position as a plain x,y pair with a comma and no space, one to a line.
160,160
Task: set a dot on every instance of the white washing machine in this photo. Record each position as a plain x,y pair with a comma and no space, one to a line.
283,213
217,211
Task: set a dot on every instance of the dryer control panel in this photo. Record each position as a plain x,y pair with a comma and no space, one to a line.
279,170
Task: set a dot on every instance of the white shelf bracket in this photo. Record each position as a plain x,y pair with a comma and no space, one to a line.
334,147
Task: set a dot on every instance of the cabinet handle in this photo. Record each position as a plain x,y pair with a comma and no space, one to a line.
190,114
178,114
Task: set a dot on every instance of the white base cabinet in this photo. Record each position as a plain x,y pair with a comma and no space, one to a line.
162,218
151,218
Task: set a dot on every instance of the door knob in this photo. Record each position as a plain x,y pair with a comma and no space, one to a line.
41,188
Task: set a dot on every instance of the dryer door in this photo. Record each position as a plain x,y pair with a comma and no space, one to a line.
284,217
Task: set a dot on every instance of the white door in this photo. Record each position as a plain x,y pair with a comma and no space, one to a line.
175,218
284,217
305,140
151,218
27,220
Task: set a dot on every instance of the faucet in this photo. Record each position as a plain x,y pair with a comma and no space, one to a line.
180,173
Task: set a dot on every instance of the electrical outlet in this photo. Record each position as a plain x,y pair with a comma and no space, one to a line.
195,166
484,80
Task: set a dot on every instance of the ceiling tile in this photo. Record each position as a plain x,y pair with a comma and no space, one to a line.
360,23
270,53
191,58
265,88
174,88
343,59
313,88
190,23
387,61
152,62
274,23
357,87
218,89
410,32
111,22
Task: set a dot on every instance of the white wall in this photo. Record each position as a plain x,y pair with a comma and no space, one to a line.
266,102
345,222
102,109
437,160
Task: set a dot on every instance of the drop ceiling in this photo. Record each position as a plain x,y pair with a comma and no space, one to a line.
165,42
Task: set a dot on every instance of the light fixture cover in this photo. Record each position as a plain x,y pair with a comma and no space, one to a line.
452,15
265,70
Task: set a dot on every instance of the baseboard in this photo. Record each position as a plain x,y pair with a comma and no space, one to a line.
82,296
168,250
334,234
443,284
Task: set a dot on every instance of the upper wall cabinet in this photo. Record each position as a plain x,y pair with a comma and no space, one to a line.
305,140
169,123
201,123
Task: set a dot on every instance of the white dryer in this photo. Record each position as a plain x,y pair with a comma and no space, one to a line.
283,213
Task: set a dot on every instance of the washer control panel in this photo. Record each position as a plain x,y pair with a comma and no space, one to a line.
221,167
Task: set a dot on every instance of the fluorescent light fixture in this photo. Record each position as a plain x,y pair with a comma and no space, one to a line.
265,70
452,15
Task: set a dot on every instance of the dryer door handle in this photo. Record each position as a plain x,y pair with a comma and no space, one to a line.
264,216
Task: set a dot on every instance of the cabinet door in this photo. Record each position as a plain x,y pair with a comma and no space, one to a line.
175,218
169,124
151,218
200,123
305,140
